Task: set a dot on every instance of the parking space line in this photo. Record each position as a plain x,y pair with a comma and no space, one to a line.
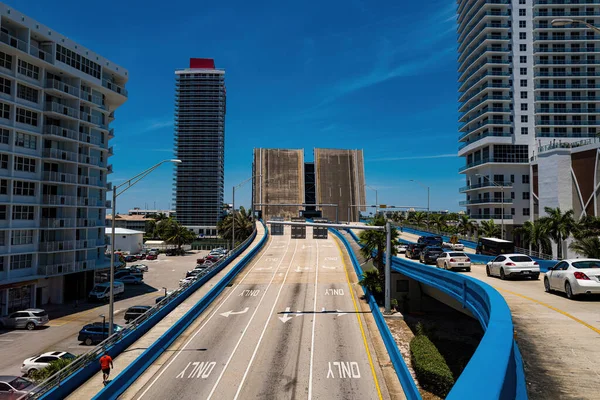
566,314
362,329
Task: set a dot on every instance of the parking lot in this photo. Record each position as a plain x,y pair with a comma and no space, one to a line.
61,333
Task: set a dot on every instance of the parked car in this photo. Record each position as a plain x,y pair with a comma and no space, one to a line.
13,387
454,260
140,256
430,254
95,333
574,277
40,361
131,280
101,291
187,280
513,265
29,319
130,258
151,257
141,267
134,312
401,249
126,272
413,251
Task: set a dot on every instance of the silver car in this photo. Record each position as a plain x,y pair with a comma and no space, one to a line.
13,387
27,319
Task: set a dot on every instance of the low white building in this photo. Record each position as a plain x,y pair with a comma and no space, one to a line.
126,240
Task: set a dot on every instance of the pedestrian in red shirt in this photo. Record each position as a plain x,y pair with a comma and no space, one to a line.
105,365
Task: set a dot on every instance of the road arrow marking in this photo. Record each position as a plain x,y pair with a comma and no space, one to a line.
300,269
298,313
264,268
338,312
228,313
286,316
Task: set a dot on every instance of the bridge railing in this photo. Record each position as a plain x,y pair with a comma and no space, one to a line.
136,329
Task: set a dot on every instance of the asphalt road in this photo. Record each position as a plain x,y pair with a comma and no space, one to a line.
61,333
287,328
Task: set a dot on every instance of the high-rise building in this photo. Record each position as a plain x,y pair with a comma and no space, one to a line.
57,99
523,84
200,145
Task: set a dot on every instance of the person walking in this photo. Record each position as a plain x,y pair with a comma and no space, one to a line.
105,365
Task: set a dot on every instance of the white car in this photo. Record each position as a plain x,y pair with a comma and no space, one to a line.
141,267
454,260
186,281
512,266
455,246
401,249
130,279
574,277
40,361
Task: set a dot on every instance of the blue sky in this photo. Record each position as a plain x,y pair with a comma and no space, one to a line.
374,75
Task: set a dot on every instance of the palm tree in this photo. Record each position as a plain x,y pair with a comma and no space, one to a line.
375,242
535,234
419,218
243,225
438,221
588,225
465,226
180,236
490,229
587,246
559,226
370,280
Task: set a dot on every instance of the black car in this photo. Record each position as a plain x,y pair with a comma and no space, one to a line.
414,250
134,312
130,258
430,254
431,240
95,333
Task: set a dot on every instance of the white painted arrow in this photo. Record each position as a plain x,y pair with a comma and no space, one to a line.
300,269
263,268
299,313
338,312
228,313
286,316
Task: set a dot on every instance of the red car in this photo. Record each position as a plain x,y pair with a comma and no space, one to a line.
140,256
208,258
151,257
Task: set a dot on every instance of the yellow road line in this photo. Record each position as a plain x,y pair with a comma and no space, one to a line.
566,314
362,330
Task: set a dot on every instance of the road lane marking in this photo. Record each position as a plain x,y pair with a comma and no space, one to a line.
334,292
205,322
286,316
346,369
199,370
312,338
323,266
249,293
228,313
246,329
362,330
566,314
262,334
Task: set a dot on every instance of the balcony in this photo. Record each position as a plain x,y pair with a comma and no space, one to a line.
486,184
61,109
565,86
92,98
467,52
13,41
84,265
491,216
109,186
111,133
563,123
86,223
565,50
562,2
61,87
487,49
483,136
474,92
57,223
108,204
491,200
567,62
89,180
56,246
495,161
62,155
562,13
111,151
92,119
59,200
554,74
91,160
570,38
100,242
566,111
66,267
41,54
114,87
86,138
482,112
60,177
567,98
502,122
83,244
60,132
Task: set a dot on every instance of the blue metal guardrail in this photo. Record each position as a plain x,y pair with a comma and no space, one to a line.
495,370
408,384
122,381
68,384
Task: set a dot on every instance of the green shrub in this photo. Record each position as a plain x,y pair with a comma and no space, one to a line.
51,369
430,367
370,279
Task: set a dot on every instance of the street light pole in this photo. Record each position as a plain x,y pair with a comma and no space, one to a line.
128,184
388,260
376,198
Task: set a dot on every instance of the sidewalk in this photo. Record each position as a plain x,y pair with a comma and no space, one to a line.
90,388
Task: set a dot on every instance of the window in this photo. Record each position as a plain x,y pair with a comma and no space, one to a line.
2,243
525,195
21,188
3,161
27,117
522,24
77,61
4,136
4,85
523,95
21,261
25,140
525,179
27,93
523,106
523,59
21,237
22,212
4,111
5,60
2,211
512,195
511,153
522,47
3,186
523,35
526,212
524,130
522,2
29,70
24,164
522,12
523,83
512,211
523,71
524,118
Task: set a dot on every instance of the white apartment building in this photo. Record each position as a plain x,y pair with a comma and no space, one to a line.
523,84
57,99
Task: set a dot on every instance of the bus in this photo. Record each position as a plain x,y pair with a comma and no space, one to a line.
494,246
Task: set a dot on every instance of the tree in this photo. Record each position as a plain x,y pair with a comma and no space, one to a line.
243,225
465,226
588,225
180,236
490,229
150,229
375,242
587,246
559,226
438,221
419,218
535,234
166,228
370,280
